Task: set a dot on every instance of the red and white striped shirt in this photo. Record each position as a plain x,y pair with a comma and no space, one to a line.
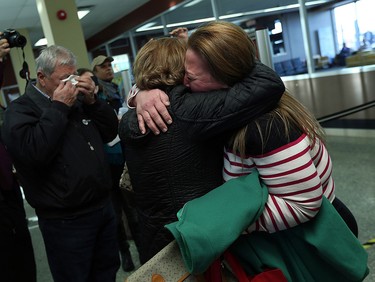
296,174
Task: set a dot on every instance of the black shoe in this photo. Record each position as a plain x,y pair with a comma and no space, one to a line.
127,262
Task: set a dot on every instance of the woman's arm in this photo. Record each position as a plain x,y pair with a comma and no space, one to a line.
151,108
210,113
295,183
204,115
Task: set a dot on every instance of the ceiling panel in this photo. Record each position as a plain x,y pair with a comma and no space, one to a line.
9,17
187,13
24,14
14,3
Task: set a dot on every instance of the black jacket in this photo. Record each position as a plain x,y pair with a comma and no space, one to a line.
58,152
186,162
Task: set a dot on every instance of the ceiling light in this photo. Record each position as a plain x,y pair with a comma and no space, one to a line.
150,28
146,26
41,42
192,3
82,13
191,22
275,9
231,16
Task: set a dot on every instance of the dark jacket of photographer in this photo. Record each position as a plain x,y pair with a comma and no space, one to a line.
58,152
1,73
186,162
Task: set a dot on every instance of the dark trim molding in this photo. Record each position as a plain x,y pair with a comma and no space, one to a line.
147,11
350,123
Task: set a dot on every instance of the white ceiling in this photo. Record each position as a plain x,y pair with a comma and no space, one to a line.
18,14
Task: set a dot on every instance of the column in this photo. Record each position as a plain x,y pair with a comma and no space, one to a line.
61,26
306,36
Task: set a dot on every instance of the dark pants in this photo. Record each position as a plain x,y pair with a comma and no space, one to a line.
17,262
121,205
346,215
118,204
83,248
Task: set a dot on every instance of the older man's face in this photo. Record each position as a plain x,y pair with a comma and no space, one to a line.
50,83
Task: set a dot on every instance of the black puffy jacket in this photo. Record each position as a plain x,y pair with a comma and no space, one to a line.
186,162
58,152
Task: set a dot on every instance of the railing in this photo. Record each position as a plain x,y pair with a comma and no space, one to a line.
347,112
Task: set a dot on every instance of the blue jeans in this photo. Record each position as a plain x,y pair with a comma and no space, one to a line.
83,248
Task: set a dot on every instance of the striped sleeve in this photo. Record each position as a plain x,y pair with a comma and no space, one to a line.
296,176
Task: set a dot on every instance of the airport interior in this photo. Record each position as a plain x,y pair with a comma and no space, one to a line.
324,51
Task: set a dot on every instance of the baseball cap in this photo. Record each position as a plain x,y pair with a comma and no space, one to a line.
100,60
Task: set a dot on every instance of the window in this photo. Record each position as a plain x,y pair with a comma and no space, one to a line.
366,25
276,37
354,24
121,62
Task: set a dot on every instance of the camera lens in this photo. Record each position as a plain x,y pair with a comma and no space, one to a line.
14,38
20,41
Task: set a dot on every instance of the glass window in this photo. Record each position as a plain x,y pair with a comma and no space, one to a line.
355,32
366,25
99,51
355,29
276,37
121,62
346,26
120,46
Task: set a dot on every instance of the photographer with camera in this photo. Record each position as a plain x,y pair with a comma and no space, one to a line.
14,38
17,261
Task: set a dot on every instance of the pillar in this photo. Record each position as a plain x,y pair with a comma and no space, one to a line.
306,36
61,26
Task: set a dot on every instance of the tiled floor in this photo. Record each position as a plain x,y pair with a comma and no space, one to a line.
354,173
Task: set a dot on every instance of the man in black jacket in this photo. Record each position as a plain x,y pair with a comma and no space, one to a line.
55,134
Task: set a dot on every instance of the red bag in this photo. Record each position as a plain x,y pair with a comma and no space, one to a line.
214,272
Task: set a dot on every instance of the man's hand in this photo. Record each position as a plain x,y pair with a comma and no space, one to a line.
86,86
180,32
152,110
4,48
65,93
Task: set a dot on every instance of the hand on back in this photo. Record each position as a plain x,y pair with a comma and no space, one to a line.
152,110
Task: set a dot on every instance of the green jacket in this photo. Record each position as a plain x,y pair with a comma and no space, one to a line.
323,249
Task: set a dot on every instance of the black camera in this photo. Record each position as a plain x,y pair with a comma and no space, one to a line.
15,39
